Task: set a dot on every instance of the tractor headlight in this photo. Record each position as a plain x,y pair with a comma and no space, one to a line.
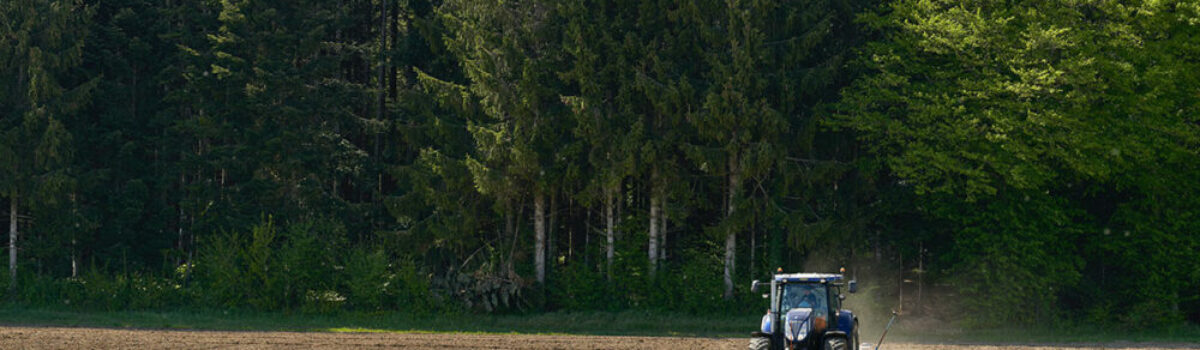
796,331
802,332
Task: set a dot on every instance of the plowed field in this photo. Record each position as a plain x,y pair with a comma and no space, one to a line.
94,338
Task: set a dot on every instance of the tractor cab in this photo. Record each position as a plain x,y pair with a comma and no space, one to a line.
805,312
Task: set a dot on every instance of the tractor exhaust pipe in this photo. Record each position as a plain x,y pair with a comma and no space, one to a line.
885,330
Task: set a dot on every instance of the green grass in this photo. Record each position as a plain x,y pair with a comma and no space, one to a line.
589,323
586,323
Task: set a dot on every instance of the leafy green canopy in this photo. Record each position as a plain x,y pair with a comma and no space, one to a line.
968,97
993,103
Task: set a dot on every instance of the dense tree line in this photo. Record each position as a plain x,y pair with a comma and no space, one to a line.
1035,158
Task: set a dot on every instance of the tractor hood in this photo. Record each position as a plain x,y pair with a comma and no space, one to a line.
797,324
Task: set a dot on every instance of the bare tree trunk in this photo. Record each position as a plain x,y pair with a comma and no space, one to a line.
878,252
920,273
187,276
179,243
753,247
662,252
12,243
570,229
382,61
539,229
74,233
510,226
731,237
620,197
730,250
901,284
74,260
609,221
587,237
551,244
652,251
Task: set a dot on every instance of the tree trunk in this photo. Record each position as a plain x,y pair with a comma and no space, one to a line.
731,236
74,260
570,229
587,237
753,247
382,62
652,251
515,232
74,233
539,229
609,222
730,250
662,229
551,244
12,243
619,196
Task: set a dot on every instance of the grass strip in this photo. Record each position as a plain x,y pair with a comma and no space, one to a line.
623,323
632,323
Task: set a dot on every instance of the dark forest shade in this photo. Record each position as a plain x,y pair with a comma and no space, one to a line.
1038,158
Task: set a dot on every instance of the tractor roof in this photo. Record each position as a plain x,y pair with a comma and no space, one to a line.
807,277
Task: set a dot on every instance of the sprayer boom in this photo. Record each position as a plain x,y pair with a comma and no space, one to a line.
885,330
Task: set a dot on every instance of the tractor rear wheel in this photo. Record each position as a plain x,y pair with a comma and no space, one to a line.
835,343
854,341
760,343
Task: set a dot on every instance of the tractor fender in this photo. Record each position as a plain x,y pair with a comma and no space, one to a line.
835,334
845,322
766,326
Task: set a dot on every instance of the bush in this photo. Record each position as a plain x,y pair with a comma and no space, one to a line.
1013,258
411,290
306,268
367,279
690,286
307,272
578,287
221,271
95,290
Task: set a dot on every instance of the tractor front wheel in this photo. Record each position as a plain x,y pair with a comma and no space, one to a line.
760,343
835,343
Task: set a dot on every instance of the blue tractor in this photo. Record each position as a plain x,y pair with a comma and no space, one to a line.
806,313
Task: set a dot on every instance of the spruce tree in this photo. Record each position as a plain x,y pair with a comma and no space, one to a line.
42,45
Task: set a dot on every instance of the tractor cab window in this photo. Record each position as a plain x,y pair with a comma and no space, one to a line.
804,295
834,301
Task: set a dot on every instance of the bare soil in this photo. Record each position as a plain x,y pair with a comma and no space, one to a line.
100,338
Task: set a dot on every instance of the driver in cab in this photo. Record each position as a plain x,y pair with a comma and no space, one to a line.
803,297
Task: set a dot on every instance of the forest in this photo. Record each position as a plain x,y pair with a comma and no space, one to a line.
1021,160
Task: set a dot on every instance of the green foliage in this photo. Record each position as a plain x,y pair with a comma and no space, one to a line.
1076,108
1012,258
1158,262
688,288
95,290
42,45
290,269
221,267
969,99
578,287
422,155
367,279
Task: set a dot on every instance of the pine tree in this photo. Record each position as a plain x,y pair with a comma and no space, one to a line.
43,43
509,52
600,43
